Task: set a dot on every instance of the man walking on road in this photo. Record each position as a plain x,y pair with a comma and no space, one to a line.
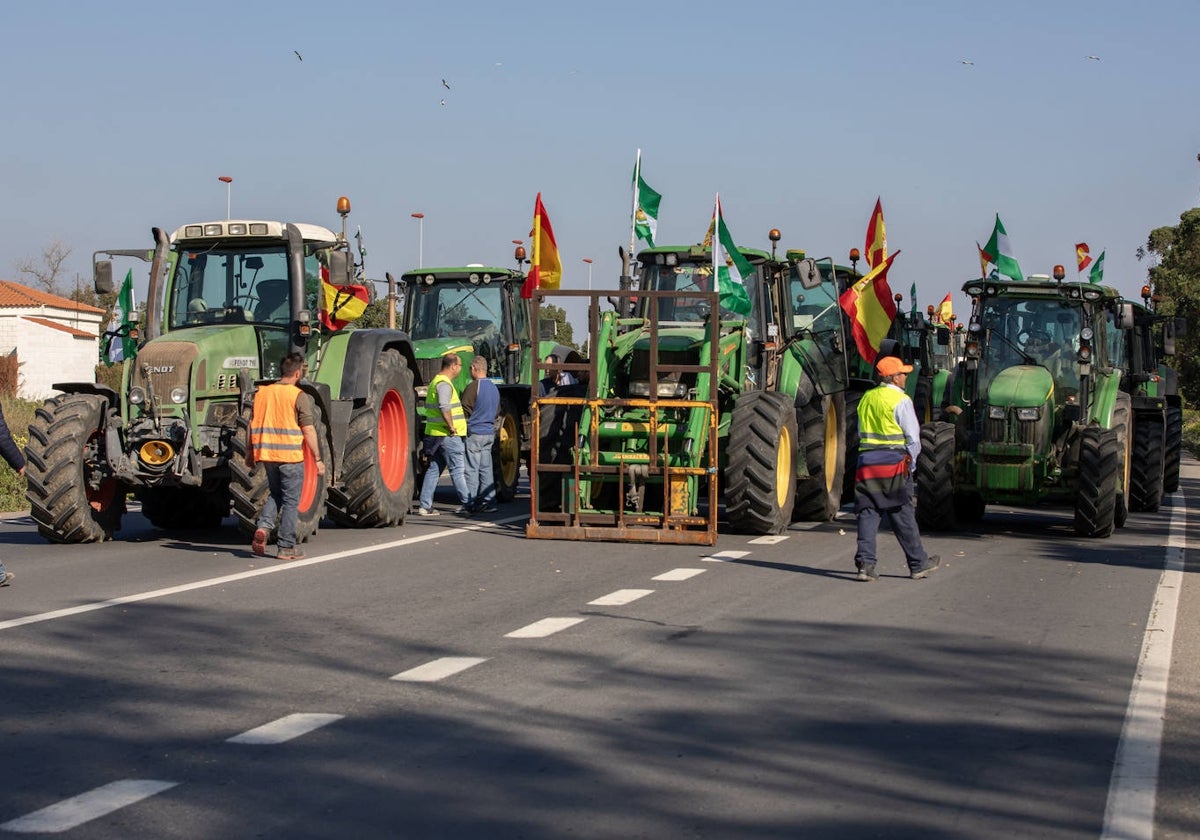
890,443
12,454
280,428
445,430
481,402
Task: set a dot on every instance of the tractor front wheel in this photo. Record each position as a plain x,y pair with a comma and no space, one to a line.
1096,496
760,489
936,509
1146,469
823,437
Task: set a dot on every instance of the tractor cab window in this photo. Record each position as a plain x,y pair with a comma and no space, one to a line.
686,277
219,286
814,310
1031,332
474,313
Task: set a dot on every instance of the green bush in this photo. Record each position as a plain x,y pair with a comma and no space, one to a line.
1191,431
18,414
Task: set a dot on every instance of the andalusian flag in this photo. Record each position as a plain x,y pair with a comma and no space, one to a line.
1000,251
120,337
1082,256
876,246
645,205
545,268
871,308
733,270
1097,273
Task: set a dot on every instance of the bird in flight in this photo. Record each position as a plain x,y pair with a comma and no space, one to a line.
1092,57
967,61
443,102
297,52
446,86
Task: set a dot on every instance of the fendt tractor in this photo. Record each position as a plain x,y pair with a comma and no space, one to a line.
1157,408
1040,416
478,310
681,392
227,300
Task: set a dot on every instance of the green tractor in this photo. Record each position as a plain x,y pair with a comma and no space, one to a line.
681,391
478,310
1157,408
227,300
1040,416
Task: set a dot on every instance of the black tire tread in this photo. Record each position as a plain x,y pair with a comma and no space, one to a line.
751,498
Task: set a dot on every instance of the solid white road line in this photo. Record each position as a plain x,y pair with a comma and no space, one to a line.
65,815
620,597
1133,788
679,574
723,556
439,669
545,627
284,729
285,566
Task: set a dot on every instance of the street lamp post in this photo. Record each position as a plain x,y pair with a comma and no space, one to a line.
420,217
588,260
227,181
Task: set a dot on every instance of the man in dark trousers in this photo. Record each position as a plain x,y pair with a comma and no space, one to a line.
890,442
481,402
280,429
12,454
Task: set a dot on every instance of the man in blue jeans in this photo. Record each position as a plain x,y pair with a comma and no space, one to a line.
481,402
445,430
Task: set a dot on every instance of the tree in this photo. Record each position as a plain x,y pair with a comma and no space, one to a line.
45,272
1176,277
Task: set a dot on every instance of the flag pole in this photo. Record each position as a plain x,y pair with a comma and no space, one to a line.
637,174
716,270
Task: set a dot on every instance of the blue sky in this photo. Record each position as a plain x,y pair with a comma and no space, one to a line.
121,116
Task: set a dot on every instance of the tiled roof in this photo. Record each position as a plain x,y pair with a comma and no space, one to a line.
56,325
15,295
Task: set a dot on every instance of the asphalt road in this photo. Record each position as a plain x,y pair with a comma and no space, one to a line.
453,679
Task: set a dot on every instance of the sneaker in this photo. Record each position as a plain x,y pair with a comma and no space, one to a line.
486,509
428,512
292,553
7,579
923,572
259,544
867,574
464,510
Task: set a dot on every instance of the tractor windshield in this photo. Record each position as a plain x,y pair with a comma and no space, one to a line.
224,286
1041,332
684,277
460,310
814,310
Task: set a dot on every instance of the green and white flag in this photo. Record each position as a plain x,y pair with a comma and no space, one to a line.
645,206
1097,274
730,267
119,344
1000,252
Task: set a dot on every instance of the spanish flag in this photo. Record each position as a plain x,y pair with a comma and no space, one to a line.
341,304
871,308
945,311
545,268
876,246
1082,256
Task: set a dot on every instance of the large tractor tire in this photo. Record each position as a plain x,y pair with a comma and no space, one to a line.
375,481
1097,493
822,428
760,489
923,400
1146,469
506,452
248,487
1122,419
852,439
1173,448
936,510
70,497
557,426
183,508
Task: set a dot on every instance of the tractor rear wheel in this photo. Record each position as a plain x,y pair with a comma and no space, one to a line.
1146,470
760,489
374,487
823,437
1122,415
1097,492
1173,448
71,496
936,509
506,453
248,486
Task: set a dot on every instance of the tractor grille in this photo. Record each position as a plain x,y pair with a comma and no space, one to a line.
1011,430
429,368
164,365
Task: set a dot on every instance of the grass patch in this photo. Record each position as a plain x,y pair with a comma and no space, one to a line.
18,414
1191,431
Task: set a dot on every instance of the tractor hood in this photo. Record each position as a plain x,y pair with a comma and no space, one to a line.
1023,386
435,348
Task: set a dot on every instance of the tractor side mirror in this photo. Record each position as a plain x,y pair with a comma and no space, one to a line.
1124,315
1180,324
806,270
102,277
943,336
339,267
546,329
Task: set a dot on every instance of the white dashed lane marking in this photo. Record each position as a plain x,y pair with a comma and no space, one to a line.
545,627
772,539
679,574
65,815
439,669
620,597
284,729
723,556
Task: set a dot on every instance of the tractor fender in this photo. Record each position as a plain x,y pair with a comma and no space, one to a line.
114,399
363,348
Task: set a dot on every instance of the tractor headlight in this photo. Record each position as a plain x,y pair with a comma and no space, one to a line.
1029,413
676,390
1087,334
178,395
136,396
996,412
1085,355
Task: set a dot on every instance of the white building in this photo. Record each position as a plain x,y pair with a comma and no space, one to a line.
54,338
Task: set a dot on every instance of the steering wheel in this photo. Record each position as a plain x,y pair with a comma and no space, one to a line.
1041,337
